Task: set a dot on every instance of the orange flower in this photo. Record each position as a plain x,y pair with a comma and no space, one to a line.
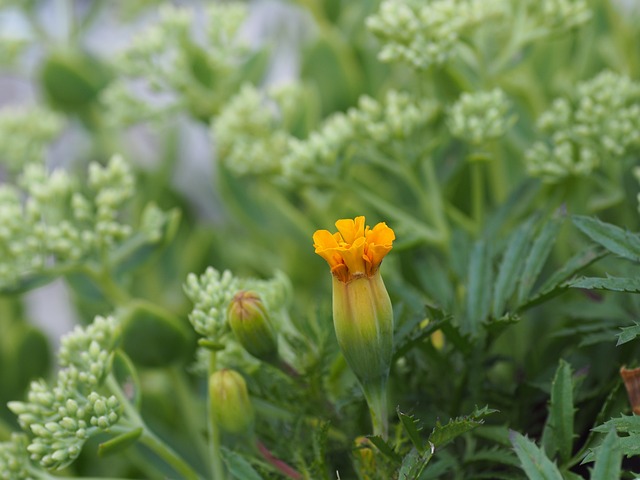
354,251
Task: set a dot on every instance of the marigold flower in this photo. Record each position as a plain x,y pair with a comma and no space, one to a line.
362,311
354,250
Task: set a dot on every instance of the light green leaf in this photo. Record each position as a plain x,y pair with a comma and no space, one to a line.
608,458
478,287
561,412
533,460
613,238
510,267
414,464
615,284
537,257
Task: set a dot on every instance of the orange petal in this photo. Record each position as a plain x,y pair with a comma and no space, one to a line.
351,229
381,234
353,257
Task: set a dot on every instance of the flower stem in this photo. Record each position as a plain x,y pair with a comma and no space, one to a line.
148,438
376,396
281,466
217,467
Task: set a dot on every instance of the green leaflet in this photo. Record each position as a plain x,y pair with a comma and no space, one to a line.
615,284
533,460
613,238
558,435
443,434
239,467
608,458
410,425
628,334
478,288
537,257
511,267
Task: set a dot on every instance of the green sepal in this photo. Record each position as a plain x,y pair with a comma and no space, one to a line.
119,443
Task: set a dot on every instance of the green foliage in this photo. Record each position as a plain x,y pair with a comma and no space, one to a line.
498,139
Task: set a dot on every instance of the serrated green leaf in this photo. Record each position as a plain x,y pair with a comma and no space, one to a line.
555,284
413,464
443,434
533,460
561,412
608,458
614,284
613,238
386,449
238,466
537,257
410,425
478,288
493,455
510,267
628,334
623,424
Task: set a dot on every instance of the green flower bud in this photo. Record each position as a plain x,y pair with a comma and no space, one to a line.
230,404
363,320
249,320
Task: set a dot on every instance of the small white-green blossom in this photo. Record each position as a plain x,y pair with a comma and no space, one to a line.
554,16
480,116
14,459
212,292
25,133
423,34
250,132
601,124
49,219
62,418
372,122
174,68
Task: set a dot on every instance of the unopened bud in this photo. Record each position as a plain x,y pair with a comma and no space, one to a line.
631,379
230,403
249,320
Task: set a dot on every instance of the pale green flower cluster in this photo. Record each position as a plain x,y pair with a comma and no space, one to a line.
602,124
14,458
251,131
212,292
480,116
556,16
166,67
63,417
373,122
25,133
49,221
423,34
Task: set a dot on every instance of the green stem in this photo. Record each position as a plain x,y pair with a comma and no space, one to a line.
377,400
148,438
217,467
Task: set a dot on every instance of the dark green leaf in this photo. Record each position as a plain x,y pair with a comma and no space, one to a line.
561,412
628,334
510,267
613,238
537,257
533,460
410,425
608,458
119,443
386,449
478,288
615,284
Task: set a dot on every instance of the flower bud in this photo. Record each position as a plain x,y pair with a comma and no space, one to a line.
230,404
363,320
249,320
631,379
